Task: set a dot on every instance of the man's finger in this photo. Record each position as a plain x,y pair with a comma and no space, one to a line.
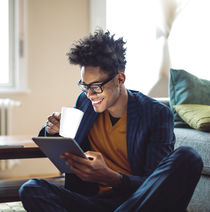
57,115
92,154
77,159
51,131
53,120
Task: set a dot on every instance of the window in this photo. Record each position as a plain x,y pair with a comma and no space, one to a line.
4,43
12,52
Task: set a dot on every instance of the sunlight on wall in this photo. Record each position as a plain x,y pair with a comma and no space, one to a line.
135,22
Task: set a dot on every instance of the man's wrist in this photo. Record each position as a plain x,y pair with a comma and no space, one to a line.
119,181
122,183
115,179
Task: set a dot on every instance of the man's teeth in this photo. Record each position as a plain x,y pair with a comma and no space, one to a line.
95,102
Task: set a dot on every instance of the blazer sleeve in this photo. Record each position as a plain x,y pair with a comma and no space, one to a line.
43,132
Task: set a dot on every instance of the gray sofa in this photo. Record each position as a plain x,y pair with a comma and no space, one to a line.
200,141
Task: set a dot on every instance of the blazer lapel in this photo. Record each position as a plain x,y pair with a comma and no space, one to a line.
133,122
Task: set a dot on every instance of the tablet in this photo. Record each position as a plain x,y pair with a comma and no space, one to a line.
53,147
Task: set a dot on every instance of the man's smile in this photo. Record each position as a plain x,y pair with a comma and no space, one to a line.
96,103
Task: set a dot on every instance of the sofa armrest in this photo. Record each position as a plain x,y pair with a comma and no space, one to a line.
164,100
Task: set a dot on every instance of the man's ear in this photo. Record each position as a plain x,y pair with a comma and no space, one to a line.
121,78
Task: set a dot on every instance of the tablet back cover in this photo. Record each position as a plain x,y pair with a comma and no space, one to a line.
53,147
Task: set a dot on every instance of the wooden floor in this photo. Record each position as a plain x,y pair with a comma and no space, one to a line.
12,207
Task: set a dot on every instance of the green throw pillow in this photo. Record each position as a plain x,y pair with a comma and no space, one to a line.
185,88
196,116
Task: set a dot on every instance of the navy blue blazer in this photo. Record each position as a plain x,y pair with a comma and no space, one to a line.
150,138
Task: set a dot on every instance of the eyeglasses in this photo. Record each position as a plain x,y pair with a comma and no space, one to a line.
94,87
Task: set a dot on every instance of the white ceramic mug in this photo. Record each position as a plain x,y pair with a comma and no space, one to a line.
70,121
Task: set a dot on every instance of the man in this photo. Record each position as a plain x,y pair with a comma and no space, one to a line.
128,138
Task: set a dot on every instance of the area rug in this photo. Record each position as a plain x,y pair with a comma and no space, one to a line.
11,207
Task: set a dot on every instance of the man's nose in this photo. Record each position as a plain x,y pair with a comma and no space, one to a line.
90,93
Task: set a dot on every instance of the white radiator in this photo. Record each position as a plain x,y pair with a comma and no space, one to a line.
6,106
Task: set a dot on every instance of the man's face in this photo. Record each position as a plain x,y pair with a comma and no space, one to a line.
111,90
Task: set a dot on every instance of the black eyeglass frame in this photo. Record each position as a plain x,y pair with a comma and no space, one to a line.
84,87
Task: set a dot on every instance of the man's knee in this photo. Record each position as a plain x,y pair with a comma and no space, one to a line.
29,187
187,157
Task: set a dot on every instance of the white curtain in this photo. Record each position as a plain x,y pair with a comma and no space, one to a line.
189,40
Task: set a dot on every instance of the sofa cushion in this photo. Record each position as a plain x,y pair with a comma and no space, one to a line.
199,140
196,116
185,88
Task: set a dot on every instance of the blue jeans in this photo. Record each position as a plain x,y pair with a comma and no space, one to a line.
168,189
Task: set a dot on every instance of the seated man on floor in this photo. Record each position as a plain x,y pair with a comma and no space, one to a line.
128,137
